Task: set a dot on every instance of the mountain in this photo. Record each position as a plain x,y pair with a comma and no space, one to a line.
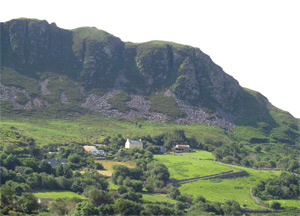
53,71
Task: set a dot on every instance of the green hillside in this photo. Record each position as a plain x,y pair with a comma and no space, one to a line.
62,89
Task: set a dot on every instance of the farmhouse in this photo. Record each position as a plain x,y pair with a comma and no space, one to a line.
55,163
182,148
93,150
131,144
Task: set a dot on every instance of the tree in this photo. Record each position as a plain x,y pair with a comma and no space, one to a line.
275,205
137,185
45,167
85,208
27,203
232,207
200,198
257,149
107,209
11,162
174,193
127,207
99,197
180,205
7,194
60,170
74,158
58,207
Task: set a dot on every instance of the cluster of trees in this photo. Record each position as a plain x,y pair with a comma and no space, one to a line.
202,207
239,154
151,175
123,207
10,203
286,186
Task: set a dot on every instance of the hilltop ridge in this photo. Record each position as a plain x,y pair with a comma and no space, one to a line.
47,68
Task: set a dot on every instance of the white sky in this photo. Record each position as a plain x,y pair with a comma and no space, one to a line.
255,41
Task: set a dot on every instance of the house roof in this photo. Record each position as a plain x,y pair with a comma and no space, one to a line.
134,141
187,146
88,148
55,162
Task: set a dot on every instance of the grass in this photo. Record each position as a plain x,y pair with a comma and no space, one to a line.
112,186
54,194
10,77
217,190
108,166
201,154
157,198
238,189
94,127
286,203
182,168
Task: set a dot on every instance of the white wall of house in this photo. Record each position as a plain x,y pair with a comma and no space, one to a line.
131,144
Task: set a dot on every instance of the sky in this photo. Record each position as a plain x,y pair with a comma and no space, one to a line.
255,41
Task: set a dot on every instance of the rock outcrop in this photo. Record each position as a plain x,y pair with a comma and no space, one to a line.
99,64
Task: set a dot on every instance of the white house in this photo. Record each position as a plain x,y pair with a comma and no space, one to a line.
131,144
93,150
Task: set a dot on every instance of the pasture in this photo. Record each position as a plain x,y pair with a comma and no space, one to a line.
157,198
218,190
108,166
286,203
54,194
201,154
182,168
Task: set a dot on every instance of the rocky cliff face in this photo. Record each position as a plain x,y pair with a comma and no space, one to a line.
88,65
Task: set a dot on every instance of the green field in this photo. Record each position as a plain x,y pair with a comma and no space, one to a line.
201,154
218,190
286,203
54,194
182,168
159,198
108,166
94,128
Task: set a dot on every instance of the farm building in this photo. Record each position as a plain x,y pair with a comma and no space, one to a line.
182,148
131,144
93,150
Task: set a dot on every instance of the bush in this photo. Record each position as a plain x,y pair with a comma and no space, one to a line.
275,205
127,207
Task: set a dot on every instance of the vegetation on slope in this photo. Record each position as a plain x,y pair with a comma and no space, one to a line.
118,101
166,105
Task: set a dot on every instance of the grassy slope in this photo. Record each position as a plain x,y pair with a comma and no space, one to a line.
54,194
94,127
287,203
148,197
182,168
108,166
219,190
200,154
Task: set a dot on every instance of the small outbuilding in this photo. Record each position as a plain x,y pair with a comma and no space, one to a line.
131,144
182,148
